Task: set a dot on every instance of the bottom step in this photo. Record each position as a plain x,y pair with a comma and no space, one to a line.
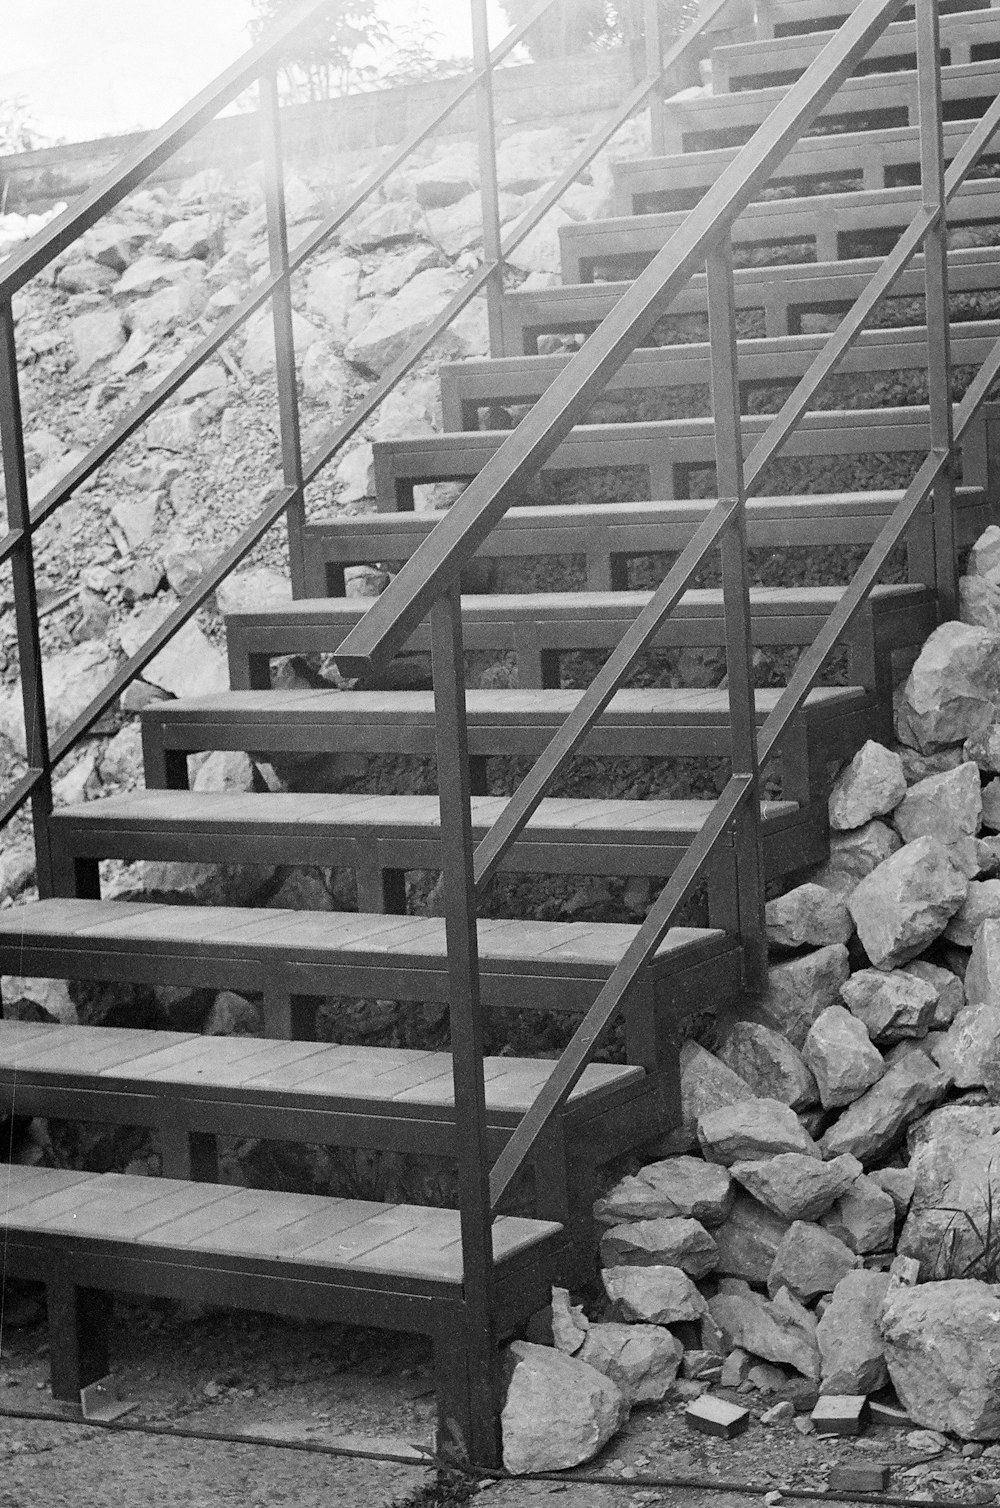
393,1266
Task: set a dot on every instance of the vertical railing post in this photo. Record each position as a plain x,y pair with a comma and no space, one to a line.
654,62
736,599
489,193
467,1033
284,336
936,297
29,649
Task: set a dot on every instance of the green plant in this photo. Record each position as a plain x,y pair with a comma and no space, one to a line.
324,60
984,1263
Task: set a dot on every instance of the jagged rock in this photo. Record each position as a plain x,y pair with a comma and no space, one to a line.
918,766
898,1183
950,990
175,429
73,677
853,855
527,159
801,988
779,1330
332,291
85,277
955,1166
136,517
558,1411
684,1187
148,274
396,268
864,1218
982,976
942,1348
96,337
258,352
750,1130
355,472
991,805
953,689
984,750
666,1242
839,1053
769,1064
982,903
907,902
450,177
891,1003
399,321
249,591
809,1261
399,220
233,1016
795,1186
540,250
115,244
37,1000
809,915
184,239
641,1360
325,378
875,1122
871,785
17,870
971,1044
206,884
659,1295
706,1083
184,564
188,665
979,602
748,1240
850,1339
984,556
948,807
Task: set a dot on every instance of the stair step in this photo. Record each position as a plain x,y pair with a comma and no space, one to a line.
779,18
524,964
395,1099
823,221
778,294
378,834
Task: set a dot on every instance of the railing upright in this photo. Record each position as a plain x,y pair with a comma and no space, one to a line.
466,1020
284,334
653,32
29,647
730,489
489,193
932,194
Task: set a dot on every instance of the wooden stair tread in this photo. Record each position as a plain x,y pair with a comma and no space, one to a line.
82,927
385,1079
298,1231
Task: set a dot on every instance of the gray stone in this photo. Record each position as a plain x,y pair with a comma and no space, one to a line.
907,902
864,1218
850,1339
779,1330
810,915
188,238
797,1187
956,1171
979,602
233,1016
748,1240
96,337
665,1242
149,273
853,855
953,689
839,1052
685,1187
400,320
641,1360
658,1295
175,429
982,903
871,785
984,750
971,1044
750,1130
30,999
982,976
898,1183
568,1323
891,1003
249,591
136,518
706,1083
188,665
809,1261
769,1063
73,677
949,987
325,378
918,766
948,807
984,556
942,1348
558,1411
991,805
874,1124
185,563
85,277
801,988
332,291
258,350
452,175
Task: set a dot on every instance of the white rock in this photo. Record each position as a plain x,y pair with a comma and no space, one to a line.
891,1003
402,319
569,1323
956,1180
96,337
258,351
795,1186
657,1295
188,238
875,1123
854,854
810,915
706,1083
399,220
840,1054
907,902
871,785
984,557
50,996
779,1330
558,1411
641,1360
982,977
332,291
948,807
355,472
801,988
72,678
982,903
188,665
953,689
677,1186
864,1218
452,175
950,990
969,1049
540,250
666,1242
250,590
769,1063
149,273
942,1348
750,1130
809,1261
979,602
850,1338
325,378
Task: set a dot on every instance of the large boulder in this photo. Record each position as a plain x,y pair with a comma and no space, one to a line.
864,1218
666,1242
641,1360
854,854
948,986
871,785
953,690
850,1337
332,292
747,1242
948,807
942,1349
558,1412
402,319
657,1295
750,1130
769,1063
73,677
800,988
981,904
839,1053
808,916
797,1187
188,665
874,1124
96,337
809,1261
907,902
779,1330
982,977
969,1051
706,1084
956,1169
891,1003
686,1187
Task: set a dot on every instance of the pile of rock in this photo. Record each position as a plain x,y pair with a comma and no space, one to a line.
828,1219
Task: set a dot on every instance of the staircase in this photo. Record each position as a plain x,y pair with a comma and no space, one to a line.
528,1137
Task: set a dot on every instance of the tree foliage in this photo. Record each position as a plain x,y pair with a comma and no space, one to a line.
323,62
17,128
573,25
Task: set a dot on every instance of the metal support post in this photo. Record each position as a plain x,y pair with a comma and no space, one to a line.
29,650
736,599
486,130
467,1035
284,337
654,64
936,293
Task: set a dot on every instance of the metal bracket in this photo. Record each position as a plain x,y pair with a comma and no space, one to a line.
102,1400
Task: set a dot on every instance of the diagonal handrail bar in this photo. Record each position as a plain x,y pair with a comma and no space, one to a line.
588,1035
441,557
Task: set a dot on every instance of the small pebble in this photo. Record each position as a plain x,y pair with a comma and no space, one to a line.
779,1414
804,1425
770,1498
972,1451
925,1441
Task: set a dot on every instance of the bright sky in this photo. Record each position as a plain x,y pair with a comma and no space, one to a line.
91,67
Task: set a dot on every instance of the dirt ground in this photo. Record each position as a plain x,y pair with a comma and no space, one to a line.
249,1373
